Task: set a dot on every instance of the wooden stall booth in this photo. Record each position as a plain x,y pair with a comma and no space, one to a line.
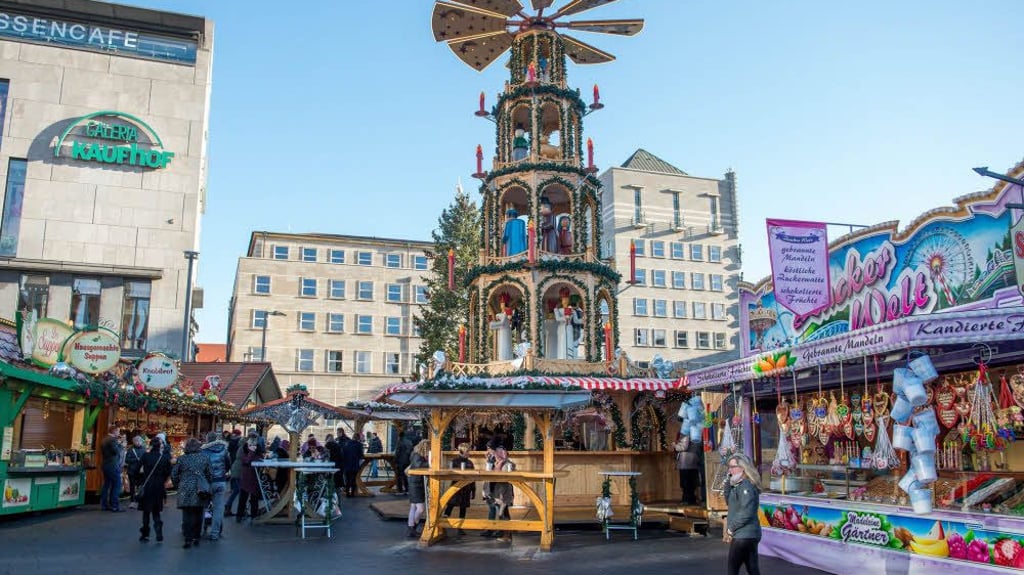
356,414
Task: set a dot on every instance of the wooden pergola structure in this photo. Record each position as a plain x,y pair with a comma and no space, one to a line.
443,406
359,418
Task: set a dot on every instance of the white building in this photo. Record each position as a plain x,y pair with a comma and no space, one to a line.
105,112
683,305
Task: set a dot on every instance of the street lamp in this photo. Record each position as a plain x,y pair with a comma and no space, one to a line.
266,321
191,256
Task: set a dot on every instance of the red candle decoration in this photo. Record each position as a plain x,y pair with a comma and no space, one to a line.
479,159
597,95
608,341
590,153
531,241
482,112
632,261
482,100
462,344
531,73
451,269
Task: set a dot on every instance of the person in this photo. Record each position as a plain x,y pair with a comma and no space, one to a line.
576,323
133,468
216,450
564,235
188,475
498,494
465,495
501,326
234,445
155,469
687,461
549,237
113,455
417,486
336,455
520,145
351,459
309,448
249,481
403,455
513,237
374,446
743,528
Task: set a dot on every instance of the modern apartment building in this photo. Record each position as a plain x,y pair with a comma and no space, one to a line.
335,312
104,111
683,305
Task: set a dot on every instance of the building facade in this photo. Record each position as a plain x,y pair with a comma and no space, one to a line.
104,112
683,303
335,312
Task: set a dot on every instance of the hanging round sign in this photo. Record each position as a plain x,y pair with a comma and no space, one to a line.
157,371
94,352
50,335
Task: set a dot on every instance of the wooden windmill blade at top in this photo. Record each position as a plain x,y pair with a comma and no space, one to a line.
479,31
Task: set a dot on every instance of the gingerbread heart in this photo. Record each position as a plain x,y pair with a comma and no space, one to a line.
869,432
881,401
782,411
1017,387
948,416
945,396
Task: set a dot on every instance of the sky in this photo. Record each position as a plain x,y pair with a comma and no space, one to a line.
346,117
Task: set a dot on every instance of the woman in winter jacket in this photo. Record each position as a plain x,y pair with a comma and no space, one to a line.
189,473
742,493
156,468
417,491
250,482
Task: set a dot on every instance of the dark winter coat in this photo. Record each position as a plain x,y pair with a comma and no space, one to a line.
250,482
234,445
185,476
133,461
403,453
153,491
220,459
744,501
417,488
467,493
351,455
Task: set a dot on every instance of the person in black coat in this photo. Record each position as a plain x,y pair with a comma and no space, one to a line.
156,468
351,459
465,495
403,454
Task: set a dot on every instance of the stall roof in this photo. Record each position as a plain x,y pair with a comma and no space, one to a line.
485,399
378,415
34,376
584,382
239,381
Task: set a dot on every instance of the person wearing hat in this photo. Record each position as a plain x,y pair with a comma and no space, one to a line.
514,237
498,494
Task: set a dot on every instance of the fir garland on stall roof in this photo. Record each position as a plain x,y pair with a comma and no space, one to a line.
448,439
642,402
445,382
605,402
518,431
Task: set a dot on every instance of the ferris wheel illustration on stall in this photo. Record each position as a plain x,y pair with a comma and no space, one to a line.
946,256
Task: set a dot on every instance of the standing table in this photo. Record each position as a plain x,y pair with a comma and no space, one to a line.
604,504
283,503
316,498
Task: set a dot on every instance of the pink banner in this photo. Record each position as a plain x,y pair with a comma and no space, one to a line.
799,257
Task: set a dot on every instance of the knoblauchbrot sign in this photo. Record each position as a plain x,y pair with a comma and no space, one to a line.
157,371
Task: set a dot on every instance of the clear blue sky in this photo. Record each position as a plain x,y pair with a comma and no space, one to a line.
346,117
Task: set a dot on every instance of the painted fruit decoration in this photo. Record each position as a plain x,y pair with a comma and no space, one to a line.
790,519
932,544
1008,553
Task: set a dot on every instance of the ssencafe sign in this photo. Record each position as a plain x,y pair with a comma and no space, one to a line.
94,352
157,371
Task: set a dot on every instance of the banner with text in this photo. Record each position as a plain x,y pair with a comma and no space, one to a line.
799,258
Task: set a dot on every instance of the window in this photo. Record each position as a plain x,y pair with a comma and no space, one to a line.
658,337
259,318
720,340
640,277
703,340
5,86
363,362
85,302
677,211
660,308
658,278
421,294
415,330
393,260
34,293
718,311
307,321
337,288
10,225
682,339
715,254
638,214
713,208
337,256
697,281
304,360
254,354
335,322
678,253
364,324
261,284
280,252
697,252
308,287
393,326
395,292
309,254
639,306
679,280
364,258
135,315
679,309
392,362
640,337
365,291
640,250
334,361
716,282
700,310
657,249
419,262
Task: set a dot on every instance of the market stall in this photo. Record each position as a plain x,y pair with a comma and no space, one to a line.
356,414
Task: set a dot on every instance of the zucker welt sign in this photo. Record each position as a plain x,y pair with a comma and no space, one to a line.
110,137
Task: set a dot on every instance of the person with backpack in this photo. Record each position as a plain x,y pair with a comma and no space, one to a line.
216,449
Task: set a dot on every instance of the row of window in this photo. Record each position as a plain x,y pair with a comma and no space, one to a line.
703,339
677,250
677,208
333,361
715,282
659,308
337,256
335,323
336,289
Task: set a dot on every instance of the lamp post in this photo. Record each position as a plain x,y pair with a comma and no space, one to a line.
191,256
266,321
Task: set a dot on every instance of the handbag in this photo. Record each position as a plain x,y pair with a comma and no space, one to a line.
203,488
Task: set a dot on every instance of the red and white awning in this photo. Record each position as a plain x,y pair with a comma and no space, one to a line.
587,383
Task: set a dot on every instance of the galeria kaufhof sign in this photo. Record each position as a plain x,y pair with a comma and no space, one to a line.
110,137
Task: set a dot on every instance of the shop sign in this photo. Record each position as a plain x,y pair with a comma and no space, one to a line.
1018,252
157,371
799,259
60,32
17,492
111,137
50,337
94,352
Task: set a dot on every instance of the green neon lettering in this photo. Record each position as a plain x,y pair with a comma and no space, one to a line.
78,151
165,158
122,154
109,154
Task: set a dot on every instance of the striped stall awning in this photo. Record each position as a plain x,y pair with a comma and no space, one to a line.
584,382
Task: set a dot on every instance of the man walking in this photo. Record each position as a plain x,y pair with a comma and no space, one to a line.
216,449
113,457
403,455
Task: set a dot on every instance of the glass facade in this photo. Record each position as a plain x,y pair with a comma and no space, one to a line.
135,315
14,196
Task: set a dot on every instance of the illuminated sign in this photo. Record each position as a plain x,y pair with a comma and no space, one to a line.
110,137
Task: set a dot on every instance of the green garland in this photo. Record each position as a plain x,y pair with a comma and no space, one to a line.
587,306
642,400
447,441
445,382
605,401
599,269
484,341
518,431
526,166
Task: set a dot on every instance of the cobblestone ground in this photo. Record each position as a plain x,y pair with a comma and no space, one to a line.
87,540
